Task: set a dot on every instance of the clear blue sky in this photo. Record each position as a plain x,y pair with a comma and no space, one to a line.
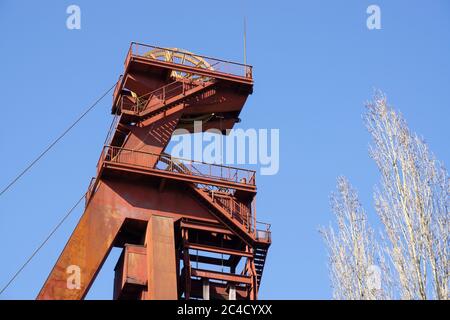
315,64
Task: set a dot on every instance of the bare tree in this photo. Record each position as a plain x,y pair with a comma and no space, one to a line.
352,249
412,203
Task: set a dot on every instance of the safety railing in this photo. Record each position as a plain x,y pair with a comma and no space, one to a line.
188,59
237,210
90,191
169,163
263,232
160,95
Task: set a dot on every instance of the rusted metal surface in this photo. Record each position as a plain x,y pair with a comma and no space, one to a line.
161,271
168,214
206,227
162,98
131,272
218,250
208,274
237,71
87,248
94,235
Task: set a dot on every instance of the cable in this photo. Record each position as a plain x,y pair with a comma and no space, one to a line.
56,141
42,244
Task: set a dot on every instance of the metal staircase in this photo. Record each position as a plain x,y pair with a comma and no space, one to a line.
240,215
260,261
237,215
160,100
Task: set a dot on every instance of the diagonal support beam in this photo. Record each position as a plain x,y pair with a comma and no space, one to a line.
83,255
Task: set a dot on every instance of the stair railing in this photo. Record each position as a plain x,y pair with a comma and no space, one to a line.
159,95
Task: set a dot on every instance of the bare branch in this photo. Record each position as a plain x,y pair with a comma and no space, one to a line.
412,203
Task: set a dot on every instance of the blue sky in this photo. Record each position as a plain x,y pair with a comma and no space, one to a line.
315,64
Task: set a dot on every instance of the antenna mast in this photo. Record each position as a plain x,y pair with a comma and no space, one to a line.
245,40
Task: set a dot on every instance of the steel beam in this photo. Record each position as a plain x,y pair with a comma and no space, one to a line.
161,262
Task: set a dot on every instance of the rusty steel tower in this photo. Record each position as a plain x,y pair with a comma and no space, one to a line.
187,229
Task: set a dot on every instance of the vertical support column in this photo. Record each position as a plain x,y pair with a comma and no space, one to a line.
251,270
205,289
161,264
254,280
187,266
